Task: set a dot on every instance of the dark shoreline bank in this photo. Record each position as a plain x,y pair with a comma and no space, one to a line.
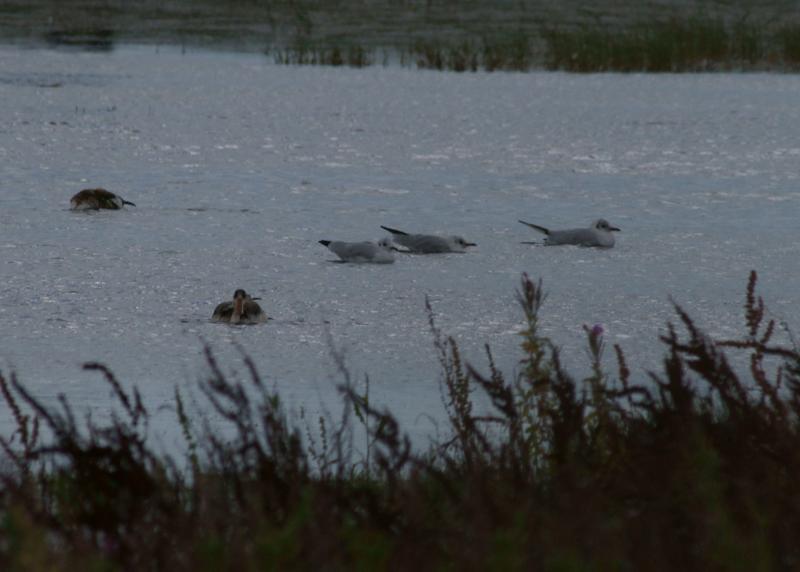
521,36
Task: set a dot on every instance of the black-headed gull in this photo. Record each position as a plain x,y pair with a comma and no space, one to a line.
428,243
362,252
598,234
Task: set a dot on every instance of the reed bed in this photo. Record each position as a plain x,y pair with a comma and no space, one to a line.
694,470
679,45
488,36
305,53
690,44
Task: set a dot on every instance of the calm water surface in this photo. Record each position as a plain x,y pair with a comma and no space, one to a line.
239,166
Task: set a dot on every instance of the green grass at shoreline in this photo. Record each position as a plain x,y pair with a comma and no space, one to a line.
694,471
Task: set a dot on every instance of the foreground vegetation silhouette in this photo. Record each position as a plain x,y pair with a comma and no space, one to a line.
695,470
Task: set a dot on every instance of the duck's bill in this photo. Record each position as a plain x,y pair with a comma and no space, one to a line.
615,229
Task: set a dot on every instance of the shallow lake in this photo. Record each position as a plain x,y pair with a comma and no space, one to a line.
239,166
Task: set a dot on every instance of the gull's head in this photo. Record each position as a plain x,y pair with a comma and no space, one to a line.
602,224
388,244
460,242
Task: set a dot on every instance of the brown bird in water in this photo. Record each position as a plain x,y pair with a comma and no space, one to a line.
241,310
96,199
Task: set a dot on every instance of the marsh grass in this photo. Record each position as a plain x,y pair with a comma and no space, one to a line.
695,470
303,52
697,43
511,36
789,38
510,52
680,44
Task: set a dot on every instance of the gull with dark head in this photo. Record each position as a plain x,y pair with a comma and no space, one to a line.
96,199
362,252
428,243
598,234
241,310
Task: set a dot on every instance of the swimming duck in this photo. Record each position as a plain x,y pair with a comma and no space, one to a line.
96,199
241,310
